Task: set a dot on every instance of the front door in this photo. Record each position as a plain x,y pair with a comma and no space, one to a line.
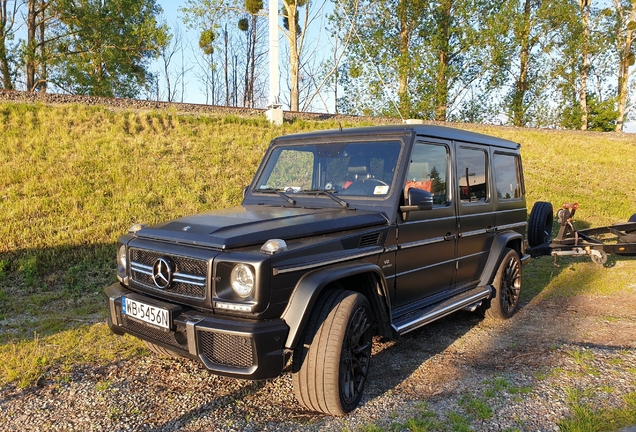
425,262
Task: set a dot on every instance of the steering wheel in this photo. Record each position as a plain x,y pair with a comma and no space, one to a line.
364,187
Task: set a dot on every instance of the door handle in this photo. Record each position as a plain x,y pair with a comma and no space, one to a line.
449,237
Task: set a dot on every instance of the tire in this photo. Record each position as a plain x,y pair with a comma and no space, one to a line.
540,224
163,352
331,361
507,285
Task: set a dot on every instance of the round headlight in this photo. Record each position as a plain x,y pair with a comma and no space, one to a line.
121,258
242,280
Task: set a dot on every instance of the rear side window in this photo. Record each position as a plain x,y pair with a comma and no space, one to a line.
472,175
507,176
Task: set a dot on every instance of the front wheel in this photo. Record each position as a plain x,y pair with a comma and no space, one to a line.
507,285
331,361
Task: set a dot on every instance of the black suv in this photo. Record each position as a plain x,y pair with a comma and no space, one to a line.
341,236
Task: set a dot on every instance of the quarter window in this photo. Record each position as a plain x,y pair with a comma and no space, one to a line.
507,175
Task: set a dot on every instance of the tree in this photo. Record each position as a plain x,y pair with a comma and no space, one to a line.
622,32
108,46
519,46
431,50
7,32
295,35
380,54
36,53
249,27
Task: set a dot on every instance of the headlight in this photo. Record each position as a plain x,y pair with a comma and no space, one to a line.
242,280
121,259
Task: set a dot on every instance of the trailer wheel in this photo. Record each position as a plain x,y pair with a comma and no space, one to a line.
331,361
540,224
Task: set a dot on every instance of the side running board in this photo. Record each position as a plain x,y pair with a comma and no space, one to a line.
421,317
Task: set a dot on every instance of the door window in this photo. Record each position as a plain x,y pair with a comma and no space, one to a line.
428,170
472,175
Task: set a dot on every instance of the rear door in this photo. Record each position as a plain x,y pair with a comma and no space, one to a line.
475,209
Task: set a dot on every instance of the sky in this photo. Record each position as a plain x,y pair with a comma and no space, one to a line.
192,92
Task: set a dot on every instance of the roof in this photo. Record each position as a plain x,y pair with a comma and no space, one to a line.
430,131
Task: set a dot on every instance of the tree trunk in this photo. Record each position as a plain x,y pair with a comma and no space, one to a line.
253,61
6,24
31,44
585,67
518,108
294,55
403,61
43,64
444,56
625,60
226,67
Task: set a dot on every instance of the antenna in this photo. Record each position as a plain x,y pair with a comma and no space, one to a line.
377,70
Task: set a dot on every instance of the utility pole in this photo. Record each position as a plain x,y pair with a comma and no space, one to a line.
274,111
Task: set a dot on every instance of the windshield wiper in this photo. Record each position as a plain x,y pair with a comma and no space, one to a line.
281,194
330,194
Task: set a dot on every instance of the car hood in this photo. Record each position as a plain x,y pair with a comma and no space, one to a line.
253,225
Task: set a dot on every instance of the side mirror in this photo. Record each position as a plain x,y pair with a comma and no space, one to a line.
245,190
416,200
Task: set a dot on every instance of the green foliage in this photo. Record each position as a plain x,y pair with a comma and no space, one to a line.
206,41
118,40
602,115
253,6
243,24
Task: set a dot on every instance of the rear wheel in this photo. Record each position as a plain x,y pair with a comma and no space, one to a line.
331,361
540,224
507,285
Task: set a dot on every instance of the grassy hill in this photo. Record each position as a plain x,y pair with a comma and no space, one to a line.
73,178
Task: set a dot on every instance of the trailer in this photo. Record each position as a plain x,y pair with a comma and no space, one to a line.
597,243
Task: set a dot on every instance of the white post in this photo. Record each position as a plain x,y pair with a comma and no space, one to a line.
274,112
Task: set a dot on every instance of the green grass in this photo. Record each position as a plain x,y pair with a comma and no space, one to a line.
586,418
73,178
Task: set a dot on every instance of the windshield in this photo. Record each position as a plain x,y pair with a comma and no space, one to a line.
347,169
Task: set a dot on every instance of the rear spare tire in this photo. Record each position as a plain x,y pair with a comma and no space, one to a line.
331,361
540,224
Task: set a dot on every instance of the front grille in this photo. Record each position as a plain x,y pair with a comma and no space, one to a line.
189,278
156,334
226,350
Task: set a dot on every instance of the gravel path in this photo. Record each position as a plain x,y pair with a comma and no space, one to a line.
523,374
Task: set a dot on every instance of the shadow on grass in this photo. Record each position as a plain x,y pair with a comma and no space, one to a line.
49,290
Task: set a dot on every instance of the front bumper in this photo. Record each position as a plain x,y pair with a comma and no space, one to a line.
230,347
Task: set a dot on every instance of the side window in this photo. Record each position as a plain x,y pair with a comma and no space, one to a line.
428,170
472,169
507,176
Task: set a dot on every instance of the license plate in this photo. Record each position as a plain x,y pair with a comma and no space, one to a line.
145,312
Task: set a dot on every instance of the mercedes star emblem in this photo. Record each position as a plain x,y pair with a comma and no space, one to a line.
162,273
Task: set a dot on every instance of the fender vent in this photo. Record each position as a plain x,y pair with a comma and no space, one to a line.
369,240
